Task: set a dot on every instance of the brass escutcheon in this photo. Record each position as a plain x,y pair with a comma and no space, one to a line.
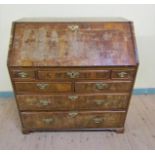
43,102
98,120
73,74
101,86
99,102
73,97
73,113
73,27
22,74
42,85
122,74
48,120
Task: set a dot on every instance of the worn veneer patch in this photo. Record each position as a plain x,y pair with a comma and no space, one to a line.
67,44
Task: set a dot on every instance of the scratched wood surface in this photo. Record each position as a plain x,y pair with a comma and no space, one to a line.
72,44
139,134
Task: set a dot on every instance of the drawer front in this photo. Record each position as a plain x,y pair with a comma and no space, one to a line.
72,120
42,87
74,74
104,86
72,102
46,102
102,102
47,120
123,74
23,75
100,119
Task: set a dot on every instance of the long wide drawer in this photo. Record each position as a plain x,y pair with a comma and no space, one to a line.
43,87
73,74
103,86
72,120
73,101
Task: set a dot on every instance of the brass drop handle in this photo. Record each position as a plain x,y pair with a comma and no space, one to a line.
101,86
73,74
122,74
99,102
42,86
73,27
22,74
98,120
73,97
43,102
48,120
73,113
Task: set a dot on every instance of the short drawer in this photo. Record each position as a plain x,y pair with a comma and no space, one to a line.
42,87
46,102
103,86
123,74
23,75
72,120
73,74
72,102
102,102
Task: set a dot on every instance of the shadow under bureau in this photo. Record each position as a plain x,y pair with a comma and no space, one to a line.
72,74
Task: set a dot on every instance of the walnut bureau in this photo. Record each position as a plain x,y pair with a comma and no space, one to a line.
72,74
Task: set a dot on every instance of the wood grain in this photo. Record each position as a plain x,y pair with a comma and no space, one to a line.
72,120
58,44
73,102
43,87
103,86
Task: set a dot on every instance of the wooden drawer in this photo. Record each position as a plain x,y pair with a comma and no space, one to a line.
72,102
99,119
42,87
103,86
73,74
23,75
72,120
102,102
123,74
45,102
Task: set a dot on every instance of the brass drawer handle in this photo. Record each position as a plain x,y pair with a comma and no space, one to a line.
73,113
43,102
101,86
73,74
48,120
42,86
73,97
73,27
99,102
98,120
122,74
22,74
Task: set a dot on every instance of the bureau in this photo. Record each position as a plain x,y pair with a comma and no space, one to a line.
72,74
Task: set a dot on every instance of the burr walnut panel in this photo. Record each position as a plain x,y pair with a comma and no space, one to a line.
45,102
73,102
103,86
72,120
73,74
72,44
43,87
103,102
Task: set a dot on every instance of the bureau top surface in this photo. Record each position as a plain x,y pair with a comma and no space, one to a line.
72,43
